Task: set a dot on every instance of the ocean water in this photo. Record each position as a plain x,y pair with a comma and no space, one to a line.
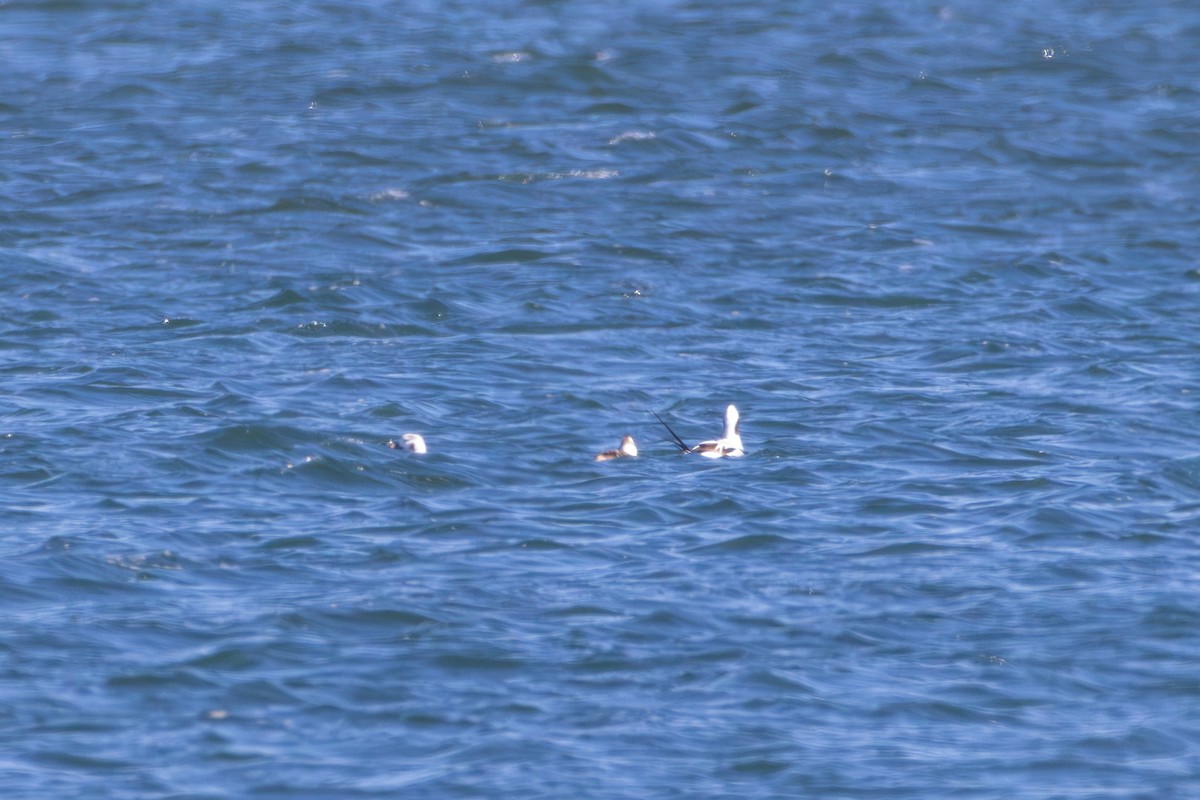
941,256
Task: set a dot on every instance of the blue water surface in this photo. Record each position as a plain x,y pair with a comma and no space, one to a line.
941,257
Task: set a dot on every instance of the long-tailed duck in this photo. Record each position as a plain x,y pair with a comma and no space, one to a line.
627,448
728,446
412,442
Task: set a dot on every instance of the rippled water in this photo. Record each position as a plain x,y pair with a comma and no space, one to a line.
941,257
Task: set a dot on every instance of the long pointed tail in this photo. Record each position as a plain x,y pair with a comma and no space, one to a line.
674,435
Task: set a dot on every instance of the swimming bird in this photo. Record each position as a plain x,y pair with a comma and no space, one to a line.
728,446
627,448
412,442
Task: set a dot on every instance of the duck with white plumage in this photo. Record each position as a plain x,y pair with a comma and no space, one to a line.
728,446
412,442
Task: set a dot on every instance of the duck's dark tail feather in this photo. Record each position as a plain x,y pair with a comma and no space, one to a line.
674,435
